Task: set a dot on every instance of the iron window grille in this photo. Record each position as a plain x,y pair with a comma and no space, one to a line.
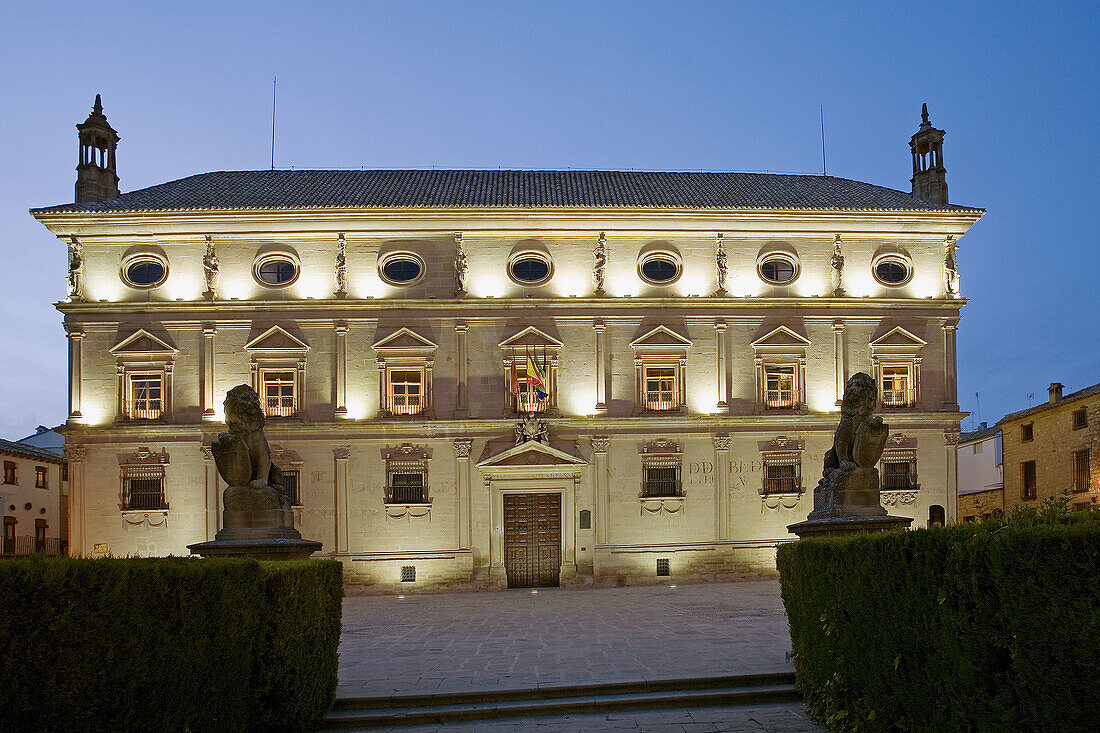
664,567
290,485
143,488
899,475
1029,479
662,481
408,573
783,478
406,485
1081,472
1080,419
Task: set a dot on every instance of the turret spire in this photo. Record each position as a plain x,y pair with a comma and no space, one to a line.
96,179
929,174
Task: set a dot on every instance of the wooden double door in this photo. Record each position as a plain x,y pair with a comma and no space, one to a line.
532,539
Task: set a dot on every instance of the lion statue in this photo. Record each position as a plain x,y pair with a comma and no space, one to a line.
243,457
859,437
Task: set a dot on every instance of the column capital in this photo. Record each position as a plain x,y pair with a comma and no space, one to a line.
75,453
839,326
720,326
951,437
599,326
207,452
75,335
461,327
949,326
209,329
721,442
340,327
462,448
600,444
342,453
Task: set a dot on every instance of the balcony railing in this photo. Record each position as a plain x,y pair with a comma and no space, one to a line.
779,398
899,397
529,402
279,406
147,413
23,546
660,401
406,405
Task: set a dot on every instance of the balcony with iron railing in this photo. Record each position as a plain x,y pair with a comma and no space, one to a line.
530,402
24,546
279,406
780,398
660,400
900,397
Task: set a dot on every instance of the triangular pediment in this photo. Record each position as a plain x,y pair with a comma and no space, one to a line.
899,338
532,454
276,338
141,342
531,336
404,339
781,337
661,337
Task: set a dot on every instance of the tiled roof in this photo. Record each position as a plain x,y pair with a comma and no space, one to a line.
13,448
303,189
979,434
1086,392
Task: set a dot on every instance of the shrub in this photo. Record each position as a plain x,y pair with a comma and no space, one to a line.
986,627
167,644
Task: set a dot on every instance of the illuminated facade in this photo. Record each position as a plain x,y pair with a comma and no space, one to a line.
676,342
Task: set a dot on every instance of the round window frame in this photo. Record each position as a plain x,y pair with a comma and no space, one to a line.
894,257
660,254
401,255
535,255
266,257
787,257
135,259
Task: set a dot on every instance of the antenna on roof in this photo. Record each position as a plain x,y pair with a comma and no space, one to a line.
821,111
978,400
274,81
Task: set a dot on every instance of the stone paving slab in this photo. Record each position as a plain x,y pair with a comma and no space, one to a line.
515,639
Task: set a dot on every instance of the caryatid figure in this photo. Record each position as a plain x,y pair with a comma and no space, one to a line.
341,268
76,270
211,269
720,267
838,269
599,256
462,267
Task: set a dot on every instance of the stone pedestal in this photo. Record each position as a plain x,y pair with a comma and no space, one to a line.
830,526
275,548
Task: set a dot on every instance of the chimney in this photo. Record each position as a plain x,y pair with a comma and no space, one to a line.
1055,392
982,425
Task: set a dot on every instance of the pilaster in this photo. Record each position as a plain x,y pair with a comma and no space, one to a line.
75,455
721,486
462,406
951,398
341,456
341,329
723,378
840,358
464,508
76,362
601,367
600,445
208,359
213,516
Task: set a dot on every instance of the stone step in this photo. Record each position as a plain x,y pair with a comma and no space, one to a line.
350,713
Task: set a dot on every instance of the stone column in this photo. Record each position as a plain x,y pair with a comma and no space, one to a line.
341,455
76,338
74,455
463,508
167,396
601,368
720,342
213,516
721,485
600,445
462,408
341,329
950,395
122,402
839,358
951,448
300,385
208,398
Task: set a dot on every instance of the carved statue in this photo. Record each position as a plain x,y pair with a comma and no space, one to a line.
600,256
76,270
211,269
950,269
243,457
341,274
720,266
849,482
838,269
462,267
531,428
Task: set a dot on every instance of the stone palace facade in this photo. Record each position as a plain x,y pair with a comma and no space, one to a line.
505,378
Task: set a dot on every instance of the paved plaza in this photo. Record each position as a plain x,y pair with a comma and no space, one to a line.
462,642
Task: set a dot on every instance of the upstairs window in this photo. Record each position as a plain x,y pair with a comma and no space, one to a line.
404,391
897,385
276,270
892,270
145,271
778,269
1027,432
10,476
278,393
530,268
144,393
660,358
662,387
401,268
41,477
1028,470
1081,476
1080,419
405,360
532,383
143,488
780,385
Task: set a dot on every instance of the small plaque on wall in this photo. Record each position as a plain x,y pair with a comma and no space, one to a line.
585,519
101,548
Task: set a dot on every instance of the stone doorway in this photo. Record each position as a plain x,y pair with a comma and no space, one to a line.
532,539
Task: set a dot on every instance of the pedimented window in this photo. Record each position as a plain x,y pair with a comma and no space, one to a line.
660,358
143,368
896,361
278,367
405,361
530,360
780,360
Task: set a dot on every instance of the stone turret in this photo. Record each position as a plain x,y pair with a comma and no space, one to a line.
929,176
96,179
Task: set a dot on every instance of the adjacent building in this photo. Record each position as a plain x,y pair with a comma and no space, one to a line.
32,497
981,474
506,378
1053,449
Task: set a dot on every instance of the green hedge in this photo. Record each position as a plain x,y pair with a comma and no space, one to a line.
167,644
986,627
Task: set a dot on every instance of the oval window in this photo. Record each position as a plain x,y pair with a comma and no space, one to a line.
530,269
401,269
145,272
660,269
277,270
892,271
778,270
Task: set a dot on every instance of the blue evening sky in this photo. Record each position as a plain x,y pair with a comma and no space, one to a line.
614,85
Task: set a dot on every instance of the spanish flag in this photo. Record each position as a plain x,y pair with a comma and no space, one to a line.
536,377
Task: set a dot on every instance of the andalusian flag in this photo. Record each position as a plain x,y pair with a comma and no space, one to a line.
536,376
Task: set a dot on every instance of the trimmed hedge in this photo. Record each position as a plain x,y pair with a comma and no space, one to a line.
167,644
986,627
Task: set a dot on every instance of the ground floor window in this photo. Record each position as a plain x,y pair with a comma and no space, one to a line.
1080,472
143,487
662,481
290,485
782,478
899,474
1028,470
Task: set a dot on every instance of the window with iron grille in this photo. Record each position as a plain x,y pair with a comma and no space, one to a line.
41,477
1027,432
290,485
899,475
1080,419
782,478
1028,468
662,481
408,573
1080,472
143,487
664,568
144,395
406,487
780,385
10,475
277,393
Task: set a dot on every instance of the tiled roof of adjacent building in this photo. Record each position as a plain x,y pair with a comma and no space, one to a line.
305,189
13,448
979,434
1086,392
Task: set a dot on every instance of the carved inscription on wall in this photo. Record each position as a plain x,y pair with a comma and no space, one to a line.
740,473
